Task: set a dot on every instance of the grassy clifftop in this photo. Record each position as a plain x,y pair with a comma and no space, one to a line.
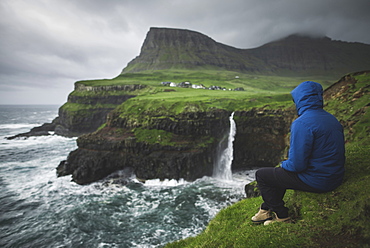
335,219
258,90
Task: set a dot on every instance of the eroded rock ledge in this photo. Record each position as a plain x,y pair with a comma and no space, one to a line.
85,111
189,154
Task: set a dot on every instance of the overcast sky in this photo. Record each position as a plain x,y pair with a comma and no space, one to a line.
47,45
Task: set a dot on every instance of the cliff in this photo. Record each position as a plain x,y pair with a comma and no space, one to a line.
166,48
88,106
184,145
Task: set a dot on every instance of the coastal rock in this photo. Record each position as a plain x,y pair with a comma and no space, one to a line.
43,130
251,190
97,157
261,138
260,141
88,106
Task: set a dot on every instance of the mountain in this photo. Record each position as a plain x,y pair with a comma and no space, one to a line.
166,48
313,55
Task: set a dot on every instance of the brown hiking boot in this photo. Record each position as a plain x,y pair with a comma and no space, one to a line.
276,219
262,216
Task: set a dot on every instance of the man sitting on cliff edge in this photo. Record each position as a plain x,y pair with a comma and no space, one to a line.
316,156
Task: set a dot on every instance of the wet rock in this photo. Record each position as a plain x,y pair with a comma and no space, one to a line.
42,130
251,190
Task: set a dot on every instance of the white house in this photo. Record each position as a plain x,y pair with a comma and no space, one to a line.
195,86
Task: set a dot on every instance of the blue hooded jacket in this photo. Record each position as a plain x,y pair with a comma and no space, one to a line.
316,151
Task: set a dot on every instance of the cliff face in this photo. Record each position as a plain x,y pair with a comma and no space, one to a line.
261,138
115,147
166,48
191,153
88,106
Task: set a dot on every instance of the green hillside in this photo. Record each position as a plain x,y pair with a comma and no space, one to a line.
257,90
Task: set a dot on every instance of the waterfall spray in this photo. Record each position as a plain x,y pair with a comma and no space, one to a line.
222,167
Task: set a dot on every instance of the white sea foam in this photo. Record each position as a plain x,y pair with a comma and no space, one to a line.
36,141
165,182
18,126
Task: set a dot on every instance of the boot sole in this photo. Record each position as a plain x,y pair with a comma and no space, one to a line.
261,221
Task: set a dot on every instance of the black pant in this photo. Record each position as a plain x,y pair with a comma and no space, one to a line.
273,183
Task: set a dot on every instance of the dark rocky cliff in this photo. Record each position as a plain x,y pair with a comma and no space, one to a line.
166,48
115,147
260,141
88,106
261,138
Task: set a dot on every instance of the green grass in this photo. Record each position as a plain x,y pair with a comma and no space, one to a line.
210,77
77,107
153,136
156,99
335,219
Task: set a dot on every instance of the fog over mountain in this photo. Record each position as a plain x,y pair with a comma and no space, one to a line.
46,46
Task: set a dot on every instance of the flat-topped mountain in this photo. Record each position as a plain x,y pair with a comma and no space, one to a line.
166,48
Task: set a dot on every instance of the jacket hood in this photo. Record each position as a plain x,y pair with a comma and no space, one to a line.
307,95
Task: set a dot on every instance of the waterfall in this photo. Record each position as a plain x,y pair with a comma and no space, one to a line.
222,167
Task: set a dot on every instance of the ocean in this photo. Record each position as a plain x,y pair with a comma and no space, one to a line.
38,209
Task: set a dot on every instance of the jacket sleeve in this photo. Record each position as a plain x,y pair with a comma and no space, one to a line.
301,142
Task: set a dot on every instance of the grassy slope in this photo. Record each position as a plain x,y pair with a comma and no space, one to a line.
208,77
259,90
336,219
